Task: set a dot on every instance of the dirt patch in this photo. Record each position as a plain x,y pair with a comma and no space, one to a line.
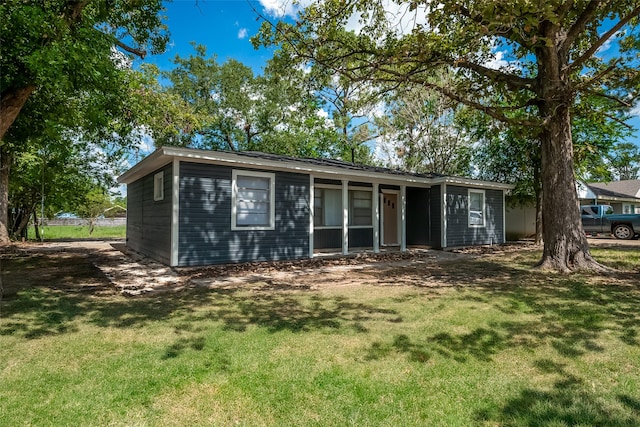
110,267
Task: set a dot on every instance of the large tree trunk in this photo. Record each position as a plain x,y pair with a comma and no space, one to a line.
11,102
565,243
5,162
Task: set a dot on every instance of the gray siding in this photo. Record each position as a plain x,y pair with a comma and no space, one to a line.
149,221
435,216
418,225
205,235
458,231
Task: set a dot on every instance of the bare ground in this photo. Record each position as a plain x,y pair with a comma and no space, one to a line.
108,267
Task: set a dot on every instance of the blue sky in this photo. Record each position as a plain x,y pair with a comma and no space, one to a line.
225,28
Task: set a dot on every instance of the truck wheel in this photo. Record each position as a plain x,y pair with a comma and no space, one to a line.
623,232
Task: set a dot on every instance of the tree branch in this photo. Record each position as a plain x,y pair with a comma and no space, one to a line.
622,103
596,78
578,27
139,52
606,36
514,82
494,112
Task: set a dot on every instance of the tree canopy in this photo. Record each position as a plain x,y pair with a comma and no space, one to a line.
536,59
64,71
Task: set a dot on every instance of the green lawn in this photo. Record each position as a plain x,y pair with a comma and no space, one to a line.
497,344
80,231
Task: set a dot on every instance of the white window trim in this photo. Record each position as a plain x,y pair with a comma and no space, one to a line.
272,199
484,208
158,186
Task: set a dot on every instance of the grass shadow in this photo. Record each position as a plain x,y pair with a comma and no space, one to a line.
569,401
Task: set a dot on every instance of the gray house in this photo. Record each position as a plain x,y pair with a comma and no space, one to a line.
196,207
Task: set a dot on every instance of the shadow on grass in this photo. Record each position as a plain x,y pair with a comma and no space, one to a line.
570,312
73,290
568,402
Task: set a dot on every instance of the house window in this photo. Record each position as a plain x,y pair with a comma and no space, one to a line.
158,186
360,204
327,207
476,208
252,205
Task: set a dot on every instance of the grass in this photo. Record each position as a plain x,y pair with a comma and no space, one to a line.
53,232
495,344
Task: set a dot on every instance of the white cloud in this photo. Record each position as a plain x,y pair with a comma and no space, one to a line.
400,18
282,8
242,33
636,110
498,61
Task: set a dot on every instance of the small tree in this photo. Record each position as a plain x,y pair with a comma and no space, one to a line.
625,161
94,203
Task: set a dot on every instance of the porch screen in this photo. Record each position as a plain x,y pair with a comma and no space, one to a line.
360,207
327,207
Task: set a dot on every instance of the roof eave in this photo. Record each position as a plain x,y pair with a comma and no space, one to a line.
165,155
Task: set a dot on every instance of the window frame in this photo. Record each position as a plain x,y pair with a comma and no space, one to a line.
158,186
484,208
234,199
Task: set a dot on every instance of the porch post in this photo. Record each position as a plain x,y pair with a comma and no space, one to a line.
443,216
375,198
175,213
311,213
403,218
345,217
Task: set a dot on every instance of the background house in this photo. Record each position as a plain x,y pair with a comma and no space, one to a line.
623,196
198,207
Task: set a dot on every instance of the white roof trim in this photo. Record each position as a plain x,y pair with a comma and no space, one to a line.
165,155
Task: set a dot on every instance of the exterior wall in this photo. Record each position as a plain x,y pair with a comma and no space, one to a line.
435,215
205,235
458,231
520,221
149,221
418,217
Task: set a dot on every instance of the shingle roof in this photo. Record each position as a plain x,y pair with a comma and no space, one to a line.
628,188
320,168
334,163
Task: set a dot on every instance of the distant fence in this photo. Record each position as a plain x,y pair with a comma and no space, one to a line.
102,222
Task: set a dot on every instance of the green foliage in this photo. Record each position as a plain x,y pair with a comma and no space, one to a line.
624,161
427,132
71,58
226,107
424,37
70,45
